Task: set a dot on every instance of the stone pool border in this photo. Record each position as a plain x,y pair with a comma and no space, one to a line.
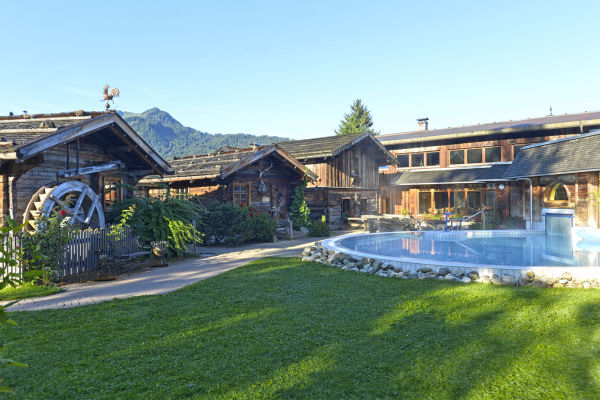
331,253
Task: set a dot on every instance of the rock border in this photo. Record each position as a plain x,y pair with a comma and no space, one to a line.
372,266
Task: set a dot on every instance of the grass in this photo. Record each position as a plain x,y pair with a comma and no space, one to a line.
279,328
26,291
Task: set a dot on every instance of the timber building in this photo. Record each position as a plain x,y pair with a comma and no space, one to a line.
78,162
460,169
264,178
348,174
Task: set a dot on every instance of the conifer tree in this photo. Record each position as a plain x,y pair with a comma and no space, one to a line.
299,209
358,120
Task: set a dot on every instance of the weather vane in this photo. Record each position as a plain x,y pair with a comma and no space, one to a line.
114,92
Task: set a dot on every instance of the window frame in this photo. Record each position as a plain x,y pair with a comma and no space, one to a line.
248,198
485,160
108,189
427,161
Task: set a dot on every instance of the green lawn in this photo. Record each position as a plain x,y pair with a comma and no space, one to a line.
279,328
26,291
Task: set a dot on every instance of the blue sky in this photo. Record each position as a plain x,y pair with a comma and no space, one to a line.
293,68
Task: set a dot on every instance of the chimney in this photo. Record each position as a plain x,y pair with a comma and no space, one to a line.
423,124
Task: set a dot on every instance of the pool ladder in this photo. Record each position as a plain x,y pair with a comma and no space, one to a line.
450,227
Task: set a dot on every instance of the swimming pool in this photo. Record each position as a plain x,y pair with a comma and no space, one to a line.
518,249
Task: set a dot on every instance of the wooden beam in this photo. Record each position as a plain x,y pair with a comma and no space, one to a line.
68,173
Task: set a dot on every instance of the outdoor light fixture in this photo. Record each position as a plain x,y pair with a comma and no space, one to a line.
501,186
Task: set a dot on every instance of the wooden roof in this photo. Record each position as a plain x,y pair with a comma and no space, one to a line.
581,120
330,146
223,164
22,137
579,153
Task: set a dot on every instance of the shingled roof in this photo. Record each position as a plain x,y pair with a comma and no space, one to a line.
582,120
579,153
442,176
331,146
223,164
22,137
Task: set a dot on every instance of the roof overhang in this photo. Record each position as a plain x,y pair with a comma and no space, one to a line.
90,126
433,136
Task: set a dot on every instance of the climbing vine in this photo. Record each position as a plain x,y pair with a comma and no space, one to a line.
299,209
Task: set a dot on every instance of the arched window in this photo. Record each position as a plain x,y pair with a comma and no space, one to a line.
559,193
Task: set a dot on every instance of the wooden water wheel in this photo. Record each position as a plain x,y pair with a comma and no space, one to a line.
79,203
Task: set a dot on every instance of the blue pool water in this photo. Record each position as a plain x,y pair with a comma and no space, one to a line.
526,250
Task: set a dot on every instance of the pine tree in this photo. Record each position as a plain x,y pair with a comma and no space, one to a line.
358,120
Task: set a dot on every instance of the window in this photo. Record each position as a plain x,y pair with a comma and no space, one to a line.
112,191
355,166
432,158
559,193
402,160
492,154
416,160
474,200
490,198
181,193
424,202
474,156
440,200
457,156
517,149
241,194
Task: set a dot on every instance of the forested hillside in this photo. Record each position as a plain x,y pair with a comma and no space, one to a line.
171,139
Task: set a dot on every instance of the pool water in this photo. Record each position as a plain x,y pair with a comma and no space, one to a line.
526,250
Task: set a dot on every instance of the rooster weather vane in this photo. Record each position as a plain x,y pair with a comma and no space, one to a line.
108,96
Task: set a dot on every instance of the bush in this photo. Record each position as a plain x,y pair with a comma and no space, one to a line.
237,225
43,251
319,228
156,219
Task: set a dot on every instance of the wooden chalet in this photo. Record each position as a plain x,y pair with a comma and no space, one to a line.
462,168
78,162
264,178
564,175
348,174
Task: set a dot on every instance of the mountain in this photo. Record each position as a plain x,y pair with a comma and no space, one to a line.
171,139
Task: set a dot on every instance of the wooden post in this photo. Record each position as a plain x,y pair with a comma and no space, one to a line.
195,250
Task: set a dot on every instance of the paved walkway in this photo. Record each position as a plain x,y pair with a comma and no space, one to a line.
163,280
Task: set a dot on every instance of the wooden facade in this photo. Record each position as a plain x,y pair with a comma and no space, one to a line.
95,153
468,149
263,178
348,174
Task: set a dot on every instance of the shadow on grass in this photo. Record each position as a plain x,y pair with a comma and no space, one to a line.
278,328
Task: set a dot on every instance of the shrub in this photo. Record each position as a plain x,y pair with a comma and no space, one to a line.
156,219
319,228
299,211
44,251
237,225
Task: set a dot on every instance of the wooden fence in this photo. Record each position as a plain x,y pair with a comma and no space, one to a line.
83,252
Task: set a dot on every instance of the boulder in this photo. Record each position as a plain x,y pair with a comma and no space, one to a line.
465,279
485,279
459,273
539,283
448,277
372,261
473,275
424,269
307,258
397,269
508,280
563,281
524,280
496,280
364,260
566,276
444,271
378,265
530,274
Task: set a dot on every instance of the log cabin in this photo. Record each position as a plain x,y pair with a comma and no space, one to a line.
79,163
348,174
261,177
460,169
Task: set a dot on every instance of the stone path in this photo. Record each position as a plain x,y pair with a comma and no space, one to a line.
163,280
